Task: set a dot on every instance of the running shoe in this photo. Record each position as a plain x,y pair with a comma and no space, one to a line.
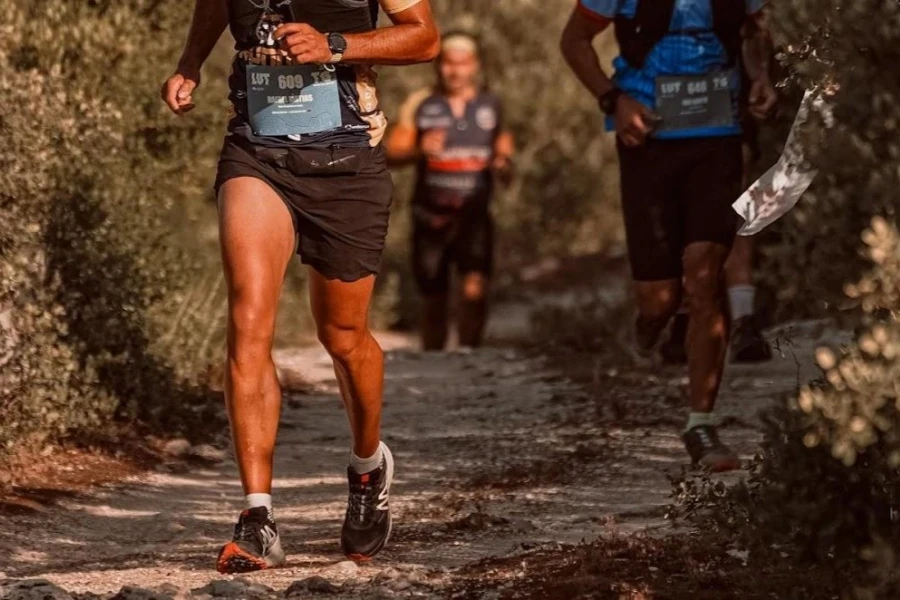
747,342
255,545
367,524
643,341
673,350
708,452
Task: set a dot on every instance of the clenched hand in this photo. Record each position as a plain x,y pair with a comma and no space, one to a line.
303,43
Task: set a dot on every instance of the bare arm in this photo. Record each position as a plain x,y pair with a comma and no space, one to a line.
631,117
209,21
412,39
578,50
504,148
401,146
757,52
757,48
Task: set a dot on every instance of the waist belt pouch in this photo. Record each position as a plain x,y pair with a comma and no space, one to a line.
334,160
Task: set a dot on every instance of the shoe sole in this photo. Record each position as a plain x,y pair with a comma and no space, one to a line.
389,463
233,559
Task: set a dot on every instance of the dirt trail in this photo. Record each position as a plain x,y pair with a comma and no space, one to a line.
495,452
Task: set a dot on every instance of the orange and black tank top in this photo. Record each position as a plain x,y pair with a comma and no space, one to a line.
463,169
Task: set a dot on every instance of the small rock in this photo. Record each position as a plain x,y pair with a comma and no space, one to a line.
379,593
236,588
388,574
209,453
346,568
32,589
523,525
318,585
133,593
178,447
490,596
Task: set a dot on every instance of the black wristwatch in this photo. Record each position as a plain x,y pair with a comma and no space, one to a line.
338,46
609,100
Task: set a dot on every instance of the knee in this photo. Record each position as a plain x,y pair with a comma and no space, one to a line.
343,343
251,329
704,283
474,287
658,303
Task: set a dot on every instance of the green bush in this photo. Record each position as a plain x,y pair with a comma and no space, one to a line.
95,296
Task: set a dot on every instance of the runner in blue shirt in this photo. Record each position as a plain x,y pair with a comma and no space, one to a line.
673,103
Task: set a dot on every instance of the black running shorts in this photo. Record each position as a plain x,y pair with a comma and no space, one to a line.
463,238
676,193
339,199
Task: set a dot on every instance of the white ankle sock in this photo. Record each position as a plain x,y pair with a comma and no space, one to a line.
695,419
741,299
367,465
256,500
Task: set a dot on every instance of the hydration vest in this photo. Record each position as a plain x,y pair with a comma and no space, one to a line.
652,21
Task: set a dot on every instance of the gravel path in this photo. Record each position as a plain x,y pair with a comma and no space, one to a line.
496,453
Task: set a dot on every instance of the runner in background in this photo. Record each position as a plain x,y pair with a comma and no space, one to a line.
454,135
673,103
302,170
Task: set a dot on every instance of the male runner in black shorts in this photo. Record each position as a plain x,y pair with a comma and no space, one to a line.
674,106
454,134
747,344
302,168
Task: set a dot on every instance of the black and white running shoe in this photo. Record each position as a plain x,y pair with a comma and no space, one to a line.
255,545
367,524
748,345
708,452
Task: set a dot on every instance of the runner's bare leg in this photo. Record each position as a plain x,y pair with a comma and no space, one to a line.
707,340
435,321
341,312
257,242
473,309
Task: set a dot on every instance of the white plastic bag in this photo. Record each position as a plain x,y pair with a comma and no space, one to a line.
780,188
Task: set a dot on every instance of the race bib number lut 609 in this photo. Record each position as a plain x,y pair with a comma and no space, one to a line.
292,100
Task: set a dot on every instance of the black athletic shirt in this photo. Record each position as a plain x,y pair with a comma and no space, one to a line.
363,121
462,173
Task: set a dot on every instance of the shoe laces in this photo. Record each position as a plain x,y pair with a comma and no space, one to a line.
362,502
706,437
248,530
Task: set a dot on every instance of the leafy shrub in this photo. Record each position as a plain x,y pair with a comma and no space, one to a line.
825,487
94,288
850,46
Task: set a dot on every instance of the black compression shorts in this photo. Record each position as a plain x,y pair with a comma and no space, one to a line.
339,199
675,193
463,238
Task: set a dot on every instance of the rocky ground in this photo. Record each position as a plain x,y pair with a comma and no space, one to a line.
507,459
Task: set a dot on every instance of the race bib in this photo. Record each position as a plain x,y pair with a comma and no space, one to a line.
292,100
694,101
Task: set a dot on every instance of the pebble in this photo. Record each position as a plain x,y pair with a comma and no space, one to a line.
134,593
346,568
236,588
317,585
178,447
208,452
32,589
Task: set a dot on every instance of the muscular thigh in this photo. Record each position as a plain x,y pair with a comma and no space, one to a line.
257,239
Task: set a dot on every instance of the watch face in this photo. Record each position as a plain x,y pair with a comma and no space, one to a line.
337,43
